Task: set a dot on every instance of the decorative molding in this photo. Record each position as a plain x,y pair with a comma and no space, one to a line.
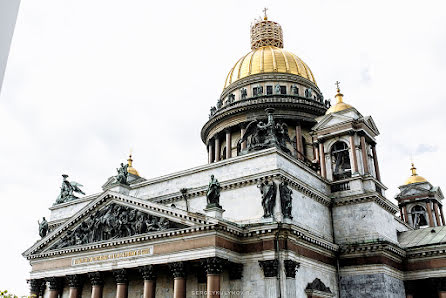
148,272
213,265
96,278
291,268
75,281
178,269
270,267
120,276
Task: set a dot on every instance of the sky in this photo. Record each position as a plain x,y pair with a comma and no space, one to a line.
86,81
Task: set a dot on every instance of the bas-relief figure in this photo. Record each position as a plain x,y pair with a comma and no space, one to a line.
122,174
67,189
286,199
268,189
265,135
43,227
277,89
213,193
114,221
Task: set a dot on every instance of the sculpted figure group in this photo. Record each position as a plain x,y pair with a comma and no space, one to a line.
67,190
268,190
114,221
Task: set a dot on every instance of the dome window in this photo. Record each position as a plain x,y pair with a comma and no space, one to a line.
340,159
269,90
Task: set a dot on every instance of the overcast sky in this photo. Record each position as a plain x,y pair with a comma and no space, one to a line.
88,80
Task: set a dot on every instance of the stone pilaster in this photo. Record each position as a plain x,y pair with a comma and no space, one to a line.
299,145
437,215
365,163
429,213
290,267
375,162
149,276
353,153
179,275
122,281
97,282
235,279
270,271
322,160
75,283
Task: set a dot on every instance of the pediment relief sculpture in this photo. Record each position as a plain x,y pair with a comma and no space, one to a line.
112,222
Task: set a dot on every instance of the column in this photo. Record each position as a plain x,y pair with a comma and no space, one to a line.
354,157
179,279
437,216
364,155
235,279
213,267
35,286
429,213
217,148
442,216
442,287
315,152
55,286
242,133
406,218
228,144
290,273
149,276
211,151
322,160
75,284
97,282
401,214
122,281
375,162
299,146
270,271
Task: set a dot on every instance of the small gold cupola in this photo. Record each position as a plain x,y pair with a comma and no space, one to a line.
340,104
130,168
414,178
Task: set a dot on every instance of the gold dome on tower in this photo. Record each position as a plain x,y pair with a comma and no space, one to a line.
414,178
268,55
340,104
130,168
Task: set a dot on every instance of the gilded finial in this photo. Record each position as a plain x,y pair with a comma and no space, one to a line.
338,95
265,17
130,168
414,170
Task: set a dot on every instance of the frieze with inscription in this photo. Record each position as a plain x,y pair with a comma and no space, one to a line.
112,222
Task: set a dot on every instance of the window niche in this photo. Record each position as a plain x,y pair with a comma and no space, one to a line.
418,214
340,159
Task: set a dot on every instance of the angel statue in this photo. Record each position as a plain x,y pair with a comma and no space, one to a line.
67,189
122,174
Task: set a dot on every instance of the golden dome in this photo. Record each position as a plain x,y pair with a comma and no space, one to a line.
131,169
340,105
268,59
414,178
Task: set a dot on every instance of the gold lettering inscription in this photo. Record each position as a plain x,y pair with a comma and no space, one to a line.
112,256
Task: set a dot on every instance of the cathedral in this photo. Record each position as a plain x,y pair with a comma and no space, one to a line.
290,204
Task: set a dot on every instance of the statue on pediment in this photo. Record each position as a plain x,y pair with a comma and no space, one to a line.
213,193
67,189
122,174
43,227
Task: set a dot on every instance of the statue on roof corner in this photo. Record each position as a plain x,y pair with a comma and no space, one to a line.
122,174
260,135
67,189
43,227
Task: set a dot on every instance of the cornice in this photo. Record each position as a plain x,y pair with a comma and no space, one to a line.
367,197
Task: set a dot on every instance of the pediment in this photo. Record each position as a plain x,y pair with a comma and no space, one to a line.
412,190
334,119
113,216
371,124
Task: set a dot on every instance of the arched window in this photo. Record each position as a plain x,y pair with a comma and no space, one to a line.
340,159
418,216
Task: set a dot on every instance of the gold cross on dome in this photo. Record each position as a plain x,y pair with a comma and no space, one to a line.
337,84
264,12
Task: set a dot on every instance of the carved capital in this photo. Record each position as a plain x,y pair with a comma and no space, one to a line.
290,268
35,285
120,276
213,265
235,271
148,272
55,283
177,269
96,278
75,281
270,267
